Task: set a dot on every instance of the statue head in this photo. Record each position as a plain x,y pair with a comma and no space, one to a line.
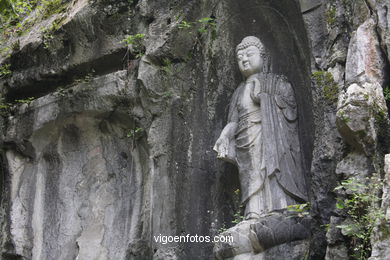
251,56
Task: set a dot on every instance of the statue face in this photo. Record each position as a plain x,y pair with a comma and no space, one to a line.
249,61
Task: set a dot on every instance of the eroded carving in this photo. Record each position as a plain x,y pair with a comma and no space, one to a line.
261,137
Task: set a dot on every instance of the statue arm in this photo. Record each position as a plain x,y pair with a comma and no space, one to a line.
231,127
229,130
256,91
260,92
225,144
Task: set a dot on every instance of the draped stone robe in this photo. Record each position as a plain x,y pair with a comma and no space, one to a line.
266,145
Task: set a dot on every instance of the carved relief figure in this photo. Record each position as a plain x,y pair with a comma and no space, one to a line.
261,137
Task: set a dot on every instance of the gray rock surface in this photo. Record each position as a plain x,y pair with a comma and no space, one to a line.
382,18
356,115
337,49
365,60
337,248
85,175
116,149
380,238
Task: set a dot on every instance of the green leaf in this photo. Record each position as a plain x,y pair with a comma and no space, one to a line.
340,205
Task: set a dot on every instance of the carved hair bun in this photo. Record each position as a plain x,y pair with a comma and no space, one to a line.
250,41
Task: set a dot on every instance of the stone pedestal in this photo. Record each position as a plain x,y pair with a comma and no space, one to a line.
274,236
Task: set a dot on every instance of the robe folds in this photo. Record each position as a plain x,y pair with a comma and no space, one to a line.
266,147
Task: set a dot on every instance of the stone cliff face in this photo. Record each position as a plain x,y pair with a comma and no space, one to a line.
116,145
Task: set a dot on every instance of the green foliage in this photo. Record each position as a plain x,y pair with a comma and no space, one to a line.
87,78
48,32
15,19
301,209
50,7
331,15
47,36
326,227
15,46
380,118
185,25
12,13
135,133
222,229
167,94
167,65
136,42
5,51
203,25
237,216
15,9
343,117
4,106
25,101
5,71
362,206
134,39
325,80
386,93
24,7
61,92
208,24
207,20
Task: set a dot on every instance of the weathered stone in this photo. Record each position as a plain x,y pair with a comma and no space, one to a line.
336,252
333,235
383,19
241,243
252,237
386,188
296,250
309,5
137,249
361,117
83,158
89,40
329,147
365,61
261,136
166,253
94,169
316,27
278,229
356,114
337,246
338,73
354,165
380,238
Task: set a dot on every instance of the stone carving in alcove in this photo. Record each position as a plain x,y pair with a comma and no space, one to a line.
262,140
261,136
